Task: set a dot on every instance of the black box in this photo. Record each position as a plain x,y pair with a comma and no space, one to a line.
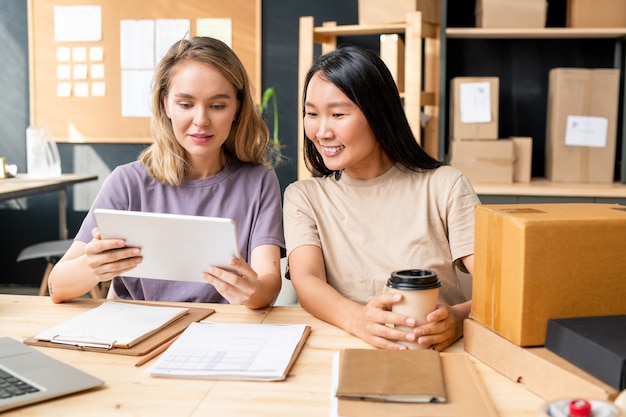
595,344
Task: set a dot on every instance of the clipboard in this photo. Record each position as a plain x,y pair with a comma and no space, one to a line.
143,347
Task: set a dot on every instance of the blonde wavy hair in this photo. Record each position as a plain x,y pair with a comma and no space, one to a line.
165,158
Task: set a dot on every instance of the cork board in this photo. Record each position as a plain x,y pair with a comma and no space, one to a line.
79,78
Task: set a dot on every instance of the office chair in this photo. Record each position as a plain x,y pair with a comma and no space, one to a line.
287,295
52,251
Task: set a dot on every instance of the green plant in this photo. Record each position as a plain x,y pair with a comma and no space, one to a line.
276,148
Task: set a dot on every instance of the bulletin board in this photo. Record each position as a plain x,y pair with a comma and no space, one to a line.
79,98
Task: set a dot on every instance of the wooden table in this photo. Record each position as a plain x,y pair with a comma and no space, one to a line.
24,185
130,391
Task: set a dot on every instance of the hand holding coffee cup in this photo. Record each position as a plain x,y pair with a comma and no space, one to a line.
420,292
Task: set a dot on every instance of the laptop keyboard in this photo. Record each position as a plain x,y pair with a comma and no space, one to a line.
10,386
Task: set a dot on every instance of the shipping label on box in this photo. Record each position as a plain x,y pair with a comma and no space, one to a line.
474,105
511,13
535,262
484,161
581,125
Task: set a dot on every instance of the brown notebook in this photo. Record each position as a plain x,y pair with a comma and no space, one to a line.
391,375
466,394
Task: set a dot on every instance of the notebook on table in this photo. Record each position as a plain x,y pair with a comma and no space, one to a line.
28,376
174,247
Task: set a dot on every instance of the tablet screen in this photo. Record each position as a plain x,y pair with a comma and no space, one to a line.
174,247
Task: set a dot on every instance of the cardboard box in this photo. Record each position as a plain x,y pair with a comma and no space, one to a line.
581,125
596,13
382,11
522,165
511,13
474,106
594,344
535,262
484,161
541,371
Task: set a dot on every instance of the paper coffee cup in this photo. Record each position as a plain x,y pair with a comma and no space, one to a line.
420,292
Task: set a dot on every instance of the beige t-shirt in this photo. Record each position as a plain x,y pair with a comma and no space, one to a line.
369,228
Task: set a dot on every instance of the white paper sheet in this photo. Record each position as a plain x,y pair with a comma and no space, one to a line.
64,54
79,71
77,23
137,44
96,53
136,93
169,31
231,351
64,72
221,29
586,131
96,71
98,89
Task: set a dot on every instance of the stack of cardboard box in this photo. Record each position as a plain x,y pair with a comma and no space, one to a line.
596,13
511,13
474,147
373,12
533,13
539,262
581,132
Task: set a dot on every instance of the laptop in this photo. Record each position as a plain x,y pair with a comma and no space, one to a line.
40,376
174,247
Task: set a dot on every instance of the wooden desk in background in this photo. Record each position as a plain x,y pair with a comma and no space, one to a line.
23,186
130,391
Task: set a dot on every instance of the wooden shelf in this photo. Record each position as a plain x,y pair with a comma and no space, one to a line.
538,33
543,187
321,32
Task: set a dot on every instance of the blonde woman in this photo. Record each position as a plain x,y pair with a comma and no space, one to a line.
207,159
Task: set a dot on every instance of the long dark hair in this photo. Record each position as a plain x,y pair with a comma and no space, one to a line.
365,79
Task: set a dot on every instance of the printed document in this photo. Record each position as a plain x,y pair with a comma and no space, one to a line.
260,352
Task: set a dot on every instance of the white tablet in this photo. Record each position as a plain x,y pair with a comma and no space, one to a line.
174,247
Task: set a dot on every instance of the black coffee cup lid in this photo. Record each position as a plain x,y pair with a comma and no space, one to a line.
414,279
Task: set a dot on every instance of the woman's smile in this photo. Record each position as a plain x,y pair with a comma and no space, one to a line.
332,150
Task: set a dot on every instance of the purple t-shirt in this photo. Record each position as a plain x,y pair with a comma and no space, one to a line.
249,194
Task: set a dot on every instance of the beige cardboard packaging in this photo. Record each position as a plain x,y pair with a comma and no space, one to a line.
484,161
541,371
394,11
534,262
596,13
511,13
474,106
522,165
581,125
